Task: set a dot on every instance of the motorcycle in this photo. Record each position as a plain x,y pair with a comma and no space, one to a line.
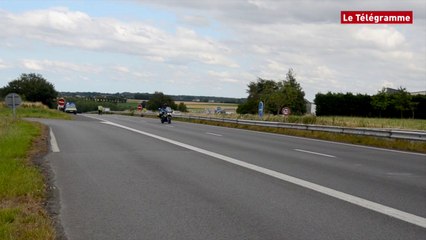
165,115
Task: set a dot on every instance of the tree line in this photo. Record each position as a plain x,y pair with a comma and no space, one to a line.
188,98
396,104
287,93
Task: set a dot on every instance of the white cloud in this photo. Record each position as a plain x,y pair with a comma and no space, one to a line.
196,20
381,37
32,65
223,77
57,66
121,69
3,65
62,27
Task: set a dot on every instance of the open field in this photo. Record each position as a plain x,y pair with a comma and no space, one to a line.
22,184
193,107
394,123
202,107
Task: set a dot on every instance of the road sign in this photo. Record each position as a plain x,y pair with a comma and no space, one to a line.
260,109
61,102
13,100
140,107
286,111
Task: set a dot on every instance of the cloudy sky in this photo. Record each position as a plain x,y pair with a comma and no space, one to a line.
211,47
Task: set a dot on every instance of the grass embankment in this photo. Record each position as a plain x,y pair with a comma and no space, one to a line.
22,184
33,110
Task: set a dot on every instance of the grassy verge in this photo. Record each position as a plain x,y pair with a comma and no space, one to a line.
33,110
22,184
22,188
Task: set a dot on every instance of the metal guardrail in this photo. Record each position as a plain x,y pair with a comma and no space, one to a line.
384,133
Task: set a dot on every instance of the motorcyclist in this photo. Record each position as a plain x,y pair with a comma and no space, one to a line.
100,110
163,113
163,109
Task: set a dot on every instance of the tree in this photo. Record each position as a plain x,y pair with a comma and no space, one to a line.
343,104
32,87
262,90
275,96
380,101
143,103
158,99
248,107
402,100
291,95
182,107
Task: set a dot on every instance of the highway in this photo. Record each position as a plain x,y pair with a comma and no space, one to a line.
134,178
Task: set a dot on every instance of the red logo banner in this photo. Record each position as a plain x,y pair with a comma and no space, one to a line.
376,17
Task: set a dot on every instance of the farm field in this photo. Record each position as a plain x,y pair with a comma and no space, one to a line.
193,107
203,107
386,123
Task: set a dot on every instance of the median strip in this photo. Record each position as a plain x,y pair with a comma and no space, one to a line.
392,212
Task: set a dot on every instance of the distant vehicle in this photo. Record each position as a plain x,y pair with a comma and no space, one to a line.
70,107
219,110
165,115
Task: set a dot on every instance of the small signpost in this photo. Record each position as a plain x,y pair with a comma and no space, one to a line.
13,101
286,111
260,109
140,107
61,104
61,101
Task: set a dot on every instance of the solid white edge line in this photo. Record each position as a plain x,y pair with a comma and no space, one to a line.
53,143
315,153
392,212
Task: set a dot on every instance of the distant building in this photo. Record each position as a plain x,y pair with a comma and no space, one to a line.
392,90
310,107
418,93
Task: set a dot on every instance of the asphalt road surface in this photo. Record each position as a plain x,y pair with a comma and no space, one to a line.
135,178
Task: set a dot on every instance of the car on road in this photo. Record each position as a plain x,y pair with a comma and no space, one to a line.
70,107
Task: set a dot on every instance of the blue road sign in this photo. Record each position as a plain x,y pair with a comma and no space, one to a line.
260,109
